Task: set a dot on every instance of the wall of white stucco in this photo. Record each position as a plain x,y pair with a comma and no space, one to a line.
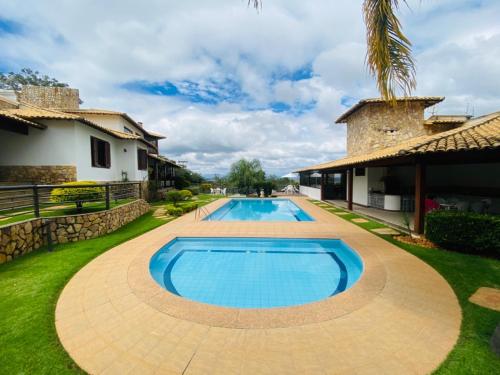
123,157
68,143
311,192
115,122
360,189
52,146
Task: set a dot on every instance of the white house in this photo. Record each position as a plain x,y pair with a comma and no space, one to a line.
46,138
398,161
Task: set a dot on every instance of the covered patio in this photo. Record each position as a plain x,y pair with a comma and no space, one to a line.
391,218
457,169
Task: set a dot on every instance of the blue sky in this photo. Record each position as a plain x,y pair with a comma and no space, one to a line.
223,81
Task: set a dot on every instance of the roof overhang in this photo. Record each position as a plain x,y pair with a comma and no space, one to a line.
481,134
426,100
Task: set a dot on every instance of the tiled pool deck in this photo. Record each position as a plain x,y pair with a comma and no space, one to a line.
400,318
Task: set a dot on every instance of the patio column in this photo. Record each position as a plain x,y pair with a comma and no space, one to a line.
349,188
419,198
322,194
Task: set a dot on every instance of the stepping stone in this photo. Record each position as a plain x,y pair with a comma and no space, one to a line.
159,212
487,297
342,213
389,231
359,220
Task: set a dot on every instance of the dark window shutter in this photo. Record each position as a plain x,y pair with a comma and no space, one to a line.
142,159
107,154
93,151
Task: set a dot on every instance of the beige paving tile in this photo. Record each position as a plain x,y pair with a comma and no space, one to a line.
487,297
385,231
400,317
359,220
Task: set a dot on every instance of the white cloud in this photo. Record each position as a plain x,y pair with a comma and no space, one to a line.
97,46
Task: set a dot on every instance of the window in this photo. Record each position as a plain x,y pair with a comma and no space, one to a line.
127,130
360,172
142,159
100,152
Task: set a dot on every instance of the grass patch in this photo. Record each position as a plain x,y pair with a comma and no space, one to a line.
30,287
45,211
465,273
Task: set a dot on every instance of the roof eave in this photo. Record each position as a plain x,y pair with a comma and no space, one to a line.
428,101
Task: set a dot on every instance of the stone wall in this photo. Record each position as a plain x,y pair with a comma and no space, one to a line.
380,125
40,174
50,97
21,238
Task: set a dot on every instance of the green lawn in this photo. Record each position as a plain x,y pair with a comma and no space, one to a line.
465,273
29,288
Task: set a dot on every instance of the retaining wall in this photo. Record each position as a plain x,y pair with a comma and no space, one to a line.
20,238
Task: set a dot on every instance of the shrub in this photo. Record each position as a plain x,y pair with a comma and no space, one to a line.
464,231
174,211
175,196
188,207
77,195
205,187
195,190
186,195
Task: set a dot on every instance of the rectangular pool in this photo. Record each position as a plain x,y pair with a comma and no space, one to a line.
248,209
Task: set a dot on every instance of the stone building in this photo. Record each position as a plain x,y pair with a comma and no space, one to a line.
397,161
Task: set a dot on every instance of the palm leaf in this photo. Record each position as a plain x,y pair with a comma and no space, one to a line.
389,56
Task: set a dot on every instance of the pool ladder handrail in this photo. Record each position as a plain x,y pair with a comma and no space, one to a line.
200,211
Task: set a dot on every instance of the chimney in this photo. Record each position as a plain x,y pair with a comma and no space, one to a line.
50,97
374,124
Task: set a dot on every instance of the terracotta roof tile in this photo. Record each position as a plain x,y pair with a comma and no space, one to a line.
481,133
96,111
7,114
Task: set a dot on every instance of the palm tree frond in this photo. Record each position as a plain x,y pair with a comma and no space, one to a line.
257,4
389,56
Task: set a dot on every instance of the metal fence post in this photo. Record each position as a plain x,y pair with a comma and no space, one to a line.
36,201
107,196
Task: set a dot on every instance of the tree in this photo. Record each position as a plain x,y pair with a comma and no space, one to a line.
15,81
246,174
389,56
185,178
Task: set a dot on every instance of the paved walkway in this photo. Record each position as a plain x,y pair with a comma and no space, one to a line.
396,218
400,318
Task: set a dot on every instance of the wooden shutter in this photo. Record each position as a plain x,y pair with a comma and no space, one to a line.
142,159
107,154
93,151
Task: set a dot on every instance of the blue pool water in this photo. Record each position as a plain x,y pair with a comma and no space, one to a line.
255,272
259,210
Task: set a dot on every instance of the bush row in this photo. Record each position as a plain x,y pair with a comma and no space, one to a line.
464,231
181,208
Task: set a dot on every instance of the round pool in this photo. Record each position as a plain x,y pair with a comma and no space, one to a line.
255,272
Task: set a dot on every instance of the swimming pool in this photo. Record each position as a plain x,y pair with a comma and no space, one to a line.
249,209
255,272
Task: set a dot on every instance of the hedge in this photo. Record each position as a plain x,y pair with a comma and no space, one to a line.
77,195
464,231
